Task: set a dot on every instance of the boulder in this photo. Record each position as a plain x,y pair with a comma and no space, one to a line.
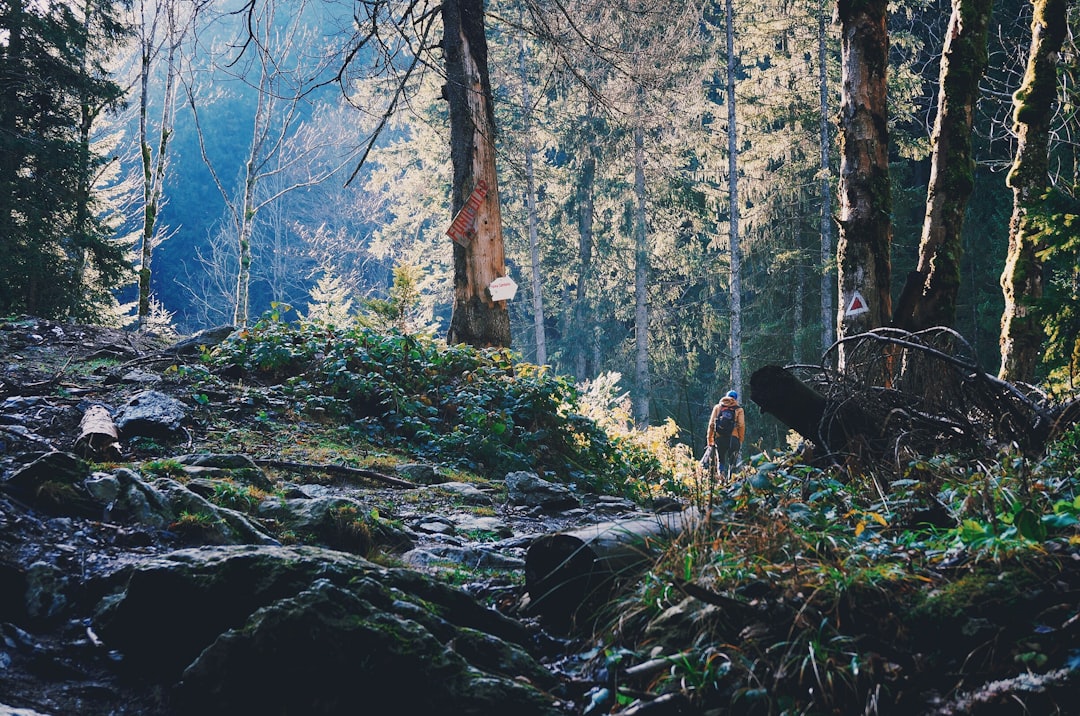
467,492
341,644
259,629
153,415
213,523
337,522
530,490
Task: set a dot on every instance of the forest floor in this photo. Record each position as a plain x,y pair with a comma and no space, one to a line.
879,631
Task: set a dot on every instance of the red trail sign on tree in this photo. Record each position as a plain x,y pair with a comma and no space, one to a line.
461,229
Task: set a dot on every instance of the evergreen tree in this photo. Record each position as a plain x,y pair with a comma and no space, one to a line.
57,256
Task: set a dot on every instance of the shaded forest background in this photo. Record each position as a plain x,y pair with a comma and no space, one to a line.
328,237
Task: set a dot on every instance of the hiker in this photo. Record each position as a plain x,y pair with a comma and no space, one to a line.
727,427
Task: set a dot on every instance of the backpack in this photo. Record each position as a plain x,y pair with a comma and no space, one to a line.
725,422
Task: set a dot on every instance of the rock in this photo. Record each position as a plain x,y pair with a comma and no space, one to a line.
153,415
60,467
12,593
207,338
337,522
204,591
53,483
344,643
480,526
46,586
474,557
140,377
434,524
467,492
214,524
240,468
530,490
419,473
126,497
6,710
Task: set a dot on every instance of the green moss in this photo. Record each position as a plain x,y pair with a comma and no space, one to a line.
972,594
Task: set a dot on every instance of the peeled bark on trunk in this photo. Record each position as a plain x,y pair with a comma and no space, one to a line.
98,438
865,205
930,295
1022,281
476,319
569,574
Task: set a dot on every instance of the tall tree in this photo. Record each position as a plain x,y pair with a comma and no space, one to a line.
828,314
160,30
863,252
642,376
1022,280
734,248
57,256
279,73
929,297
476,319
536,280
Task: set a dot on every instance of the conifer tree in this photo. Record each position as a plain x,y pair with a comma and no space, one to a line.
57,256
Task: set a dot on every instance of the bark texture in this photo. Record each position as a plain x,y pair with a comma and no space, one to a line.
476,319
865,205
1022,280
929,298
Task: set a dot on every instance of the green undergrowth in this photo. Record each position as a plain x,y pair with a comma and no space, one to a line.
820,591
481,410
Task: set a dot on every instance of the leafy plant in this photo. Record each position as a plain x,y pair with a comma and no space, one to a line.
481,408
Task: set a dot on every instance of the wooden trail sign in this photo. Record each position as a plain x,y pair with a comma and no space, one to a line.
461,230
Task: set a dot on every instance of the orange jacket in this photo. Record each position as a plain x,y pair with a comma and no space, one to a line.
740,419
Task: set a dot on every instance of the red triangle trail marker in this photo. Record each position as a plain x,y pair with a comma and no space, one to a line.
857,305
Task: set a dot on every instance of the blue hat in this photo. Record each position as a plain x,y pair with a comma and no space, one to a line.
732,394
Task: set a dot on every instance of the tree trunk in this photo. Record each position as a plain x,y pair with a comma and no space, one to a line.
798,406
929,298
1022,280
641,285
154,167
530,200
863,262
735,285
827,311
476,319
585,215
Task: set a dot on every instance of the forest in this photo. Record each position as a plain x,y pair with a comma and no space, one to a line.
671,188
348,346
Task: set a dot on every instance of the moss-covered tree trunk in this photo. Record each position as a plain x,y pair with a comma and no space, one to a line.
929,297
863,263
476,319
1022,281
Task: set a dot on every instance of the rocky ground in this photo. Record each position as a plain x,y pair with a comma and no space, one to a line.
201,560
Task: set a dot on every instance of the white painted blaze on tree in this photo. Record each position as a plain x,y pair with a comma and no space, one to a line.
856,305
461,229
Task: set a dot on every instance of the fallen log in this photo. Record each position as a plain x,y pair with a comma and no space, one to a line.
831,426
98,438
569,574
897,393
